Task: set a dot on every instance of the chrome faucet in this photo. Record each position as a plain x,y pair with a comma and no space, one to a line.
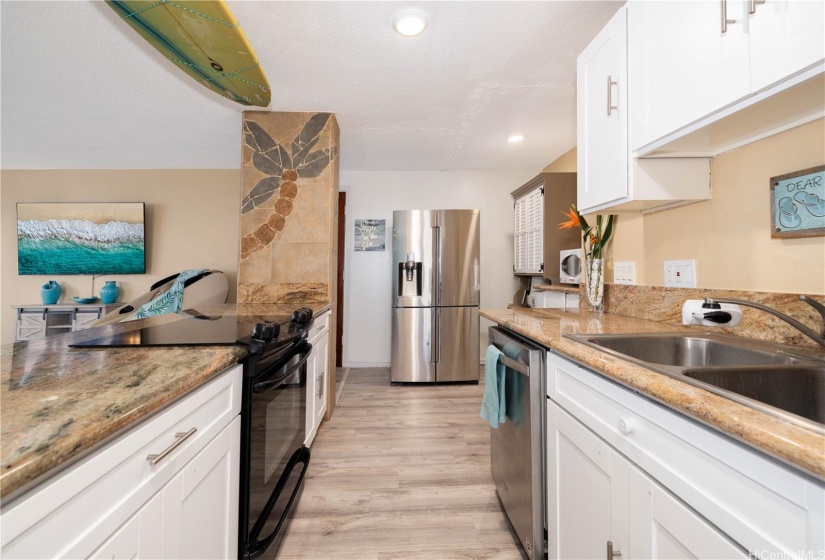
818,338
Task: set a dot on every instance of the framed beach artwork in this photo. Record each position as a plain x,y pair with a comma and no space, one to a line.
370,235
81,238
798,203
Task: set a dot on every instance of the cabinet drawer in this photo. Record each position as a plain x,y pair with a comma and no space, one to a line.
759,503
319,326
77,510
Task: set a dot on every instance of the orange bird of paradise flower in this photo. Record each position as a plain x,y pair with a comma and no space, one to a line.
574,221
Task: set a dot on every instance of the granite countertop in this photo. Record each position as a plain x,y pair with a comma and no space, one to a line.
794,445
58,403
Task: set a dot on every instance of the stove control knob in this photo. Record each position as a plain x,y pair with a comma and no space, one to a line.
266,331
302,316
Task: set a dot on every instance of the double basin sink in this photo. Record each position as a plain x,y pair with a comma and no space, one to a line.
784,381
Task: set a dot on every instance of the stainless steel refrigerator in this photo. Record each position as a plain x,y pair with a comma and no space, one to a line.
435,286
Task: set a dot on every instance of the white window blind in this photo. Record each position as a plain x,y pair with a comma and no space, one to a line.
528,250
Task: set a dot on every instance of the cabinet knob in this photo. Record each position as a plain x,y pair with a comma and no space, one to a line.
626,425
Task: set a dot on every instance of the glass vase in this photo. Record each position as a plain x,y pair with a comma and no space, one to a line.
594,272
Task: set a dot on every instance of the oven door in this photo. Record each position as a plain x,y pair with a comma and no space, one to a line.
277,458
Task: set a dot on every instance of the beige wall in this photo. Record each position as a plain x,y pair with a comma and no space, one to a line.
729,235
565,163
191,222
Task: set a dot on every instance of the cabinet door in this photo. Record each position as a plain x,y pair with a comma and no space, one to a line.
319,393
586,490
683,67
785,38
313,363
139,537
31,325
661,526
200,505
85,318
602,112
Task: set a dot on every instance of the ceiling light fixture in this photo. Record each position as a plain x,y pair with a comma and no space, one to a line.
410,22
517,137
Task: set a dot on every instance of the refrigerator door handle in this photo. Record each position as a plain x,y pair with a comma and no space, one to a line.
435,346
436,265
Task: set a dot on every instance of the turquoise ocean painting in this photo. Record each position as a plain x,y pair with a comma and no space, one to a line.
81,238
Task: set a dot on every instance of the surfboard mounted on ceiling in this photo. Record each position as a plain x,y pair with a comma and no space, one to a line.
204,40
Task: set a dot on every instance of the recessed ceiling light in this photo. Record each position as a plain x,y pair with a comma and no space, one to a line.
410,22
517,137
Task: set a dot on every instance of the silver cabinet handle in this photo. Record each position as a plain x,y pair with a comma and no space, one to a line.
180,438
725,20
610,83
320,381
752,5
610,554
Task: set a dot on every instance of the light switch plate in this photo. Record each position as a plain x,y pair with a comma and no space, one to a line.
680,274
624,272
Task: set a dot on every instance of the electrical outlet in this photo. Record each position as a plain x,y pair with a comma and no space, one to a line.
624,272
680,274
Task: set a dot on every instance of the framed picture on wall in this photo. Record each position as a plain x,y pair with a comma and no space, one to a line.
370,235
81,238
798,203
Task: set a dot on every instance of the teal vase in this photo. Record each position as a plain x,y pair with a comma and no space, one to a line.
50,292
109,292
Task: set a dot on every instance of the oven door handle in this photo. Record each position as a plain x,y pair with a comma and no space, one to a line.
266,385
257,546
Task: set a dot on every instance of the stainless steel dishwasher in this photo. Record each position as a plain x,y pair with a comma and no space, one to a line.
517,445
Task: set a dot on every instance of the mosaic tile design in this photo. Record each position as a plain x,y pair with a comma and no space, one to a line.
289,182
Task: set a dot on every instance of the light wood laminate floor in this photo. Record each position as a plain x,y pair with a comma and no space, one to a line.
401,472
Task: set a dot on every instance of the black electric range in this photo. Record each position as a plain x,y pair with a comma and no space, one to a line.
274,459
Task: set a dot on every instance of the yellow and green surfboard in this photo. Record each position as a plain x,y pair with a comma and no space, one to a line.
204,40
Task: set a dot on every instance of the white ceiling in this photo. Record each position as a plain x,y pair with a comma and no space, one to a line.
81,90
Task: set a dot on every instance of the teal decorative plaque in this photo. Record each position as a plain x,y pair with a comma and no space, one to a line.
798,203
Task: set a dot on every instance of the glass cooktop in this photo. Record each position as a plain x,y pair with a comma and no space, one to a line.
196,330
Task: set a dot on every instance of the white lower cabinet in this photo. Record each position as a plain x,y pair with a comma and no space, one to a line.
116,504
586,490
194,516
602,502
661,526
627,473
317,376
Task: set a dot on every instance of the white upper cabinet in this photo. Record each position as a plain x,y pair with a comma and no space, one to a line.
709,76
602,116
684,63
786,37
607,177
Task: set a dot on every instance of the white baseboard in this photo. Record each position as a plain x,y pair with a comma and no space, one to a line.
365,364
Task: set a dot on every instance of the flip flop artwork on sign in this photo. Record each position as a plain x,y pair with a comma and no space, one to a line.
798,203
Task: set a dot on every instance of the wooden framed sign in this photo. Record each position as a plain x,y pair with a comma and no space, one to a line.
798,203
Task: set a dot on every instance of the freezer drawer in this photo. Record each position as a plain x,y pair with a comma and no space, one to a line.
457,354
412,335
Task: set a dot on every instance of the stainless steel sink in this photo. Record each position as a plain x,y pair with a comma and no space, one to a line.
799,390
785,381
688,350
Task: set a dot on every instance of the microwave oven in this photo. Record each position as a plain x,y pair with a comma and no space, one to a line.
570,266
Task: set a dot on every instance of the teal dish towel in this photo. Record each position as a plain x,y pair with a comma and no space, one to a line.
170,301
493,404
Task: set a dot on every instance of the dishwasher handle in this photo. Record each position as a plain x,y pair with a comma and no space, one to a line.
523,369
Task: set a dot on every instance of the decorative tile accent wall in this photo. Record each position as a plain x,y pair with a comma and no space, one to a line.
289,193
656,303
